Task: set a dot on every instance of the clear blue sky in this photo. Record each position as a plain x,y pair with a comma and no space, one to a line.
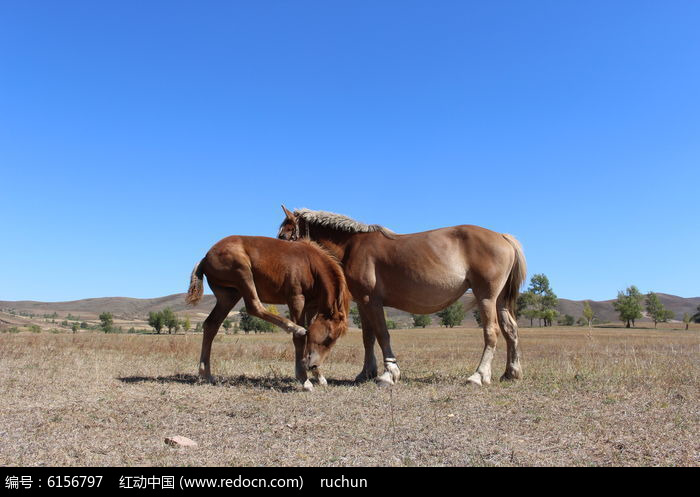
134,135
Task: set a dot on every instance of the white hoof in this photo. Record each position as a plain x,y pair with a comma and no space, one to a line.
475,379
322,381
385,380
393,370
308,386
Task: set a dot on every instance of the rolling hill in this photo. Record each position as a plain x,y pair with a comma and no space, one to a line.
131,308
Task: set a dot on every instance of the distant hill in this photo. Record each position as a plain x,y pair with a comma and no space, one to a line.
130,308
119,306
604,310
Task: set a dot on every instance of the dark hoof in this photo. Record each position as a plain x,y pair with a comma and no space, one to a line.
208,380
364,377
508,376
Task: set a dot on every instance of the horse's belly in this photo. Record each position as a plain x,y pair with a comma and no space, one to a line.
426,295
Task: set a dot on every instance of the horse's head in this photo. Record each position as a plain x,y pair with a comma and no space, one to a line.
289,229
323,332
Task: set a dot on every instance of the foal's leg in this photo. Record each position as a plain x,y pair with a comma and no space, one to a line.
226,298
372,315
255,307
487,307
309,315
509,328
296,312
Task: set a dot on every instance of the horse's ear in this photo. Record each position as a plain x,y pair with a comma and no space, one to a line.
289,215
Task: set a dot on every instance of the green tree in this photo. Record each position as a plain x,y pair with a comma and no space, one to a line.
695,318
567,320
686,319
548,316
420,320
452,315
186,324
247,323
477,317
656,310
355,314
629,305
391,324
254,324
156,321
542,299
227,324
531,314
107,321
170,320
588,313
75,327
521,305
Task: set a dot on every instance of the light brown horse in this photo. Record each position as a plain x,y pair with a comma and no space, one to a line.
421,273
258,269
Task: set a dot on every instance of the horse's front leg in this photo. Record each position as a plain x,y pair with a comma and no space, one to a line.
369,368
373,319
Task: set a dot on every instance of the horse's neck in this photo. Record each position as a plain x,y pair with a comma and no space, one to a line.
333,241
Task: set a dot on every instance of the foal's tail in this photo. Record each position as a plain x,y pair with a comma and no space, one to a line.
196,290
517,274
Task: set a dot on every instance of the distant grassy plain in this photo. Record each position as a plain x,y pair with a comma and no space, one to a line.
608,396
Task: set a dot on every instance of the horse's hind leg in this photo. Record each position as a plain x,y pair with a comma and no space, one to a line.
487,307
226,298
509,328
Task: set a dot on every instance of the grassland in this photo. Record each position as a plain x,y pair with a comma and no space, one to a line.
600,397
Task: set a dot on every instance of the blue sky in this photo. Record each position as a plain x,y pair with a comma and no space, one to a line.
134,135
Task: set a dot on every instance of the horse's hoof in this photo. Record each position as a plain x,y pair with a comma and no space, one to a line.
385,380
207,379
364,377
510,376
307,386
322,381
475,379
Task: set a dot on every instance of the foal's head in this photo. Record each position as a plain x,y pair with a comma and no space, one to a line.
322,335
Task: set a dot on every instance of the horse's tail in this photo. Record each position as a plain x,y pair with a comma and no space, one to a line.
196,290
517,274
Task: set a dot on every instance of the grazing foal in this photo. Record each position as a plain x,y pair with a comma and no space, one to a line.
258,269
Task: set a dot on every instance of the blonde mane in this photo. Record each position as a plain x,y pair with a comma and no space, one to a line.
340,222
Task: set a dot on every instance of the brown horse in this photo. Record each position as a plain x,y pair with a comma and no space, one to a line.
258,269
421,273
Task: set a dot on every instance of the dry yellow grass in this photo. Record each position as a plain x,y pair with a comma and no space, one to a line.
604,397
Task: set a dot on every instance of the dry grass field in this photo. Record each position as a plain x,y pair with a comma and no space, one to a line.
604,397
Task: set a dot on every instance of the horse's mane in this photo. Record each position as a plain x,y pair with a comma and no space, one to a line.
339,222
320,248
